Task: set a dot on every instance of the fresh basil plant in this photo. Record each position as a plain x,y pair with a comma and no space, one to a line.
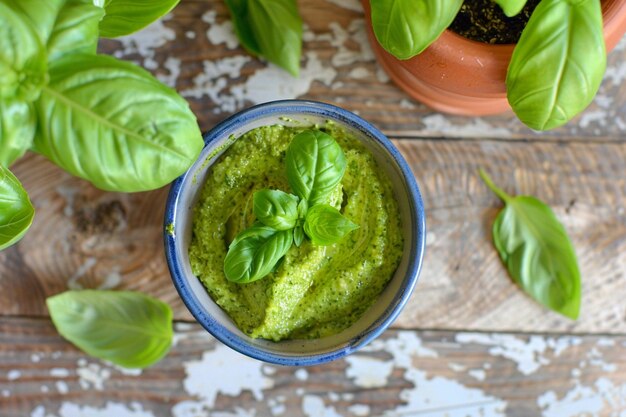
557,64
104,120
124,327
537,252
315,166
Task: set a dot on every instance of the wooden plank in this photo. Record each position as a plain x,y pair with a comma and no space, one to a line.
83,237
403,373
195,50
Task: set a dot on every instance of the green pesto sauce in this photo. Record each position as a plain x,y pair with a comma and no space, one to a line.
316,291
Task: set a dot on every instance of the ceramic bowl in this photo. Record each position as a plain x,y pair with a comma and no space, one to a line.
178,225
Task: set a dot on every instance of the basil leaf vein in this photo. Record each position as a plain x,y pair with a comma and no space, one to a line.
271,28
22,57
537,252
254,253
16,210
325,225
558,63
276,208
146,133
64,26
315,166
127,328
124,17
407,27
17,129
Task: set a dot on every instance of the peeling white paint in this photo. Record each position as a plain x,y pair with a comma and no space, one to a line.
588,117
13,374
6,393
368,372
219,33
146,41
301,374
59,373
110,409
62,387
273,83
407,104
616,74
88,263
44,389
438,124
478,374
360,410
277,406
200,382
604,398
359,73
92,375
353,5
437,396
456,367
529,355
313,406
238,412
172,65
333,396
35,358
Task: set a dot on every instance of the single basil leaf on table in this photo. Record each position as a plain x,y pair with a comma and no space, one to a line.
64,26
406,27
537,252
16,210
17,129
124,17
127,328
270,28
254,253
558,63
325,225
23,60
315,166
115,125
276,209
511,7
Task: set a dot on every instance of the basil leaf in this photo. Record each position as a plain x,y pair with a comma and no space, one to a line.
303,207
254,252
315,166
536,250
511,7
271,28
276,209
127,328
17,129
22,57
65,26
407,27
325,225
124,17
298,235
16,210
558,63
115,125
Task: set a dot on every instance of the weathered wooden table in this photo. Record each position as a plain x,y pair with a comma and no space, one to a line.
469,343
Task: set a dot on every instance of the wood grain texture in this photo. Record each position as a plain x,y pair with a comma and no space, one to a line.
195,51
83,237
404,373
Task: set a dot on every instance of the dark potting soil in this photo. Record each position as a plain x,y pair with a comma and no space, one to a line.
484,21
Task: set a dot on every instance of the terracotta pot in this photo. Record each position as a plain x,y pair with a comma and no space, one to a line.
459,76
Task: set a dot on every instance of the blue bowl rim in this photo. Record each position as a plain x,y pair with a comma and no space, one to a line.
320,109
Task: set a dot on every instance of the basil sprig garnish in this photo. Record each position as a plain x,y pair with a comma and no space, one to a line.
537,252
315,166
